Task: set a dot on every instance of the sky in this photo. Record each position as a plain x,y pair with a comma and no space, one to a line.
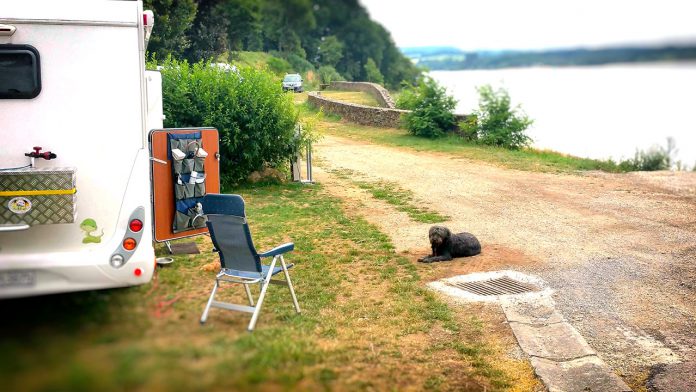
534,24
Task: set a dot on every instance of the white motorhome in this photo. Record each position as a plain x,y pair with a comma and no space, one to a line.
73,81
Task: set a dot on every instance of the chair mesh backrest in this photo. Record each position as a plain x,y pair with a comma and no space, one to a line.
230,232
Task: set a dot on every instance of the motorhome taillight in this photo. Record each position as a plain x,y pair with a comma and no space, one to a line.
137,272
148,18
129,244
131,236
135,225
148,24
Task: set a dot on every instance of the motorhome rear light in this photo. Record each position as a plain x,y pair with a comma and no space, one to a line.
137,272
129,244
135,225
116,261
148,18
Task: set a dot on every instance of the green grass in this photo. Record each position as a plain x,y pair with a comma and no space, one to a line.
525,159
249,59
367,321
390,192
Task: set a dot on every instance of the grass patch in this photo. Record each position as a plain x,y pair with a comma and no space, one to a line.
390,192
359,97
367,321
256,60
525,159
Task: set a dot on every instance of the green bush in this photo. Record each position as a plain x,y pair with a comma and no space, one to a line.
431,109
278,65
497,123
298,64
256,121
655,158
328,74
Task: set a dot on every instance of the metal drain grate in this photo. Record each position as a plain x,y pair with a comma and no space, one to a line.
498,286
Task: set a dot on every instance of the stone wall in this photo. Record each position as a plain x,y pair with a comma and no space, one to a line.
361,114
378,92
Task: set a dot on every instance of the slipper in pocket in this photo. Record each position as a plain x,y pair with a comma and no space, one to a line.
198,221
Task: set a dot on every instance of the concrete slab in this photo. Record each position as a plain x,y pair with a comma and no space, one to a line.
559,342
538,311
581,375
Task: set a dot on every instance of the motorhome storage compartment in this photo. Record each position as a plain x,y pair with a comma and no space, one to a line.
37,196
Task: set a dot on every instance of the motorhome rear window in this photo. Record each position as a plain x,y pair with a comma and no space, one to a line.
20,72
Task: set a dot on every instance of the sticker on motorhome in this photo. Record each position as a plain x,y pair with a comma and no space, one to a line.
19,205
89,226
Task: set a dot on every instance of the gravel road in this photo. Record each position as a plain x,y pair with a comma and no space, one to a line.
619,249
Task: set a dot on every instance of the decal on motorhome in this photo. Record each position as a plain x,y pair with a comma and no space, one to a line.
89,226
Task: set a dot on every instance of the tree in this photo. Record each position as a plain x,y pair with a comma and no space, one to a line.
330,51
323,32
173,19
209,34
245,30
285,21
372,72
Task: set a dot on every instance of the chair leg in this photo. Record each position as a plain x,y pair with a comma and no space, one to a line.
204,317
292,290
266,282
248,293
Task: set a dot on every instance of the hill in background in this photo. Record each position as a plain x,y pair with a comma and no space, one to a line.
450,58
305,35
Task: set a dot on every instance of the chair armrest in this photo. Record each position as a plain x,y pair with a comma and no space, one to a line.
278,250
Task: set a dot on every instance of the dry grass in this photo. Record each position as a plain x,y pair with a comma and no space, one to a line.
367,321
358,97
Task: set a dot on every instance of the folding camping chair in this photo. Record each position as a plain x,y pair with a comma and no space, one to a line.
239,261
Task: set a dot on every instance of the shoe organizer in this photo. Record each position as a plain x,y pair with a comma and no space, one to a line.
187,156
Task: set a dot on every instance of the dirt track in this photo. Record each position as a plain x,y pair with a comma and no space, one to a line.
620,250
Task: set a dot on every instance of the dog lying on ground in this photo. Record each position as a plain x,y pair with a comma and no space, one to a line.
446,245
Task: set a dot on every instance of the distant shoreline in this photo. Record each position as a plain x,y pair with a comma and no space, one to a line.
435,58
656,64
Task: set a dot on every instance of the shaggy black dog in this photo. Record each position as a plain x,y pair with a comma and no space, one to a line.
447,245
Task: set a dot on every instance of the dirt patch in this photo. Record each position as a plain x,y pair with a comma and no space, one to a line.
615,247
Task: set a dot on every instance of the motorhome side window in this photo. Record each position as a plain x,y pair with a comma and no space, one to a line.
20,72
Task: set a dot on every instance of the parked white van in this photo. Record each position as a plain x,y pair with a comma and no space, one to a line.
75,214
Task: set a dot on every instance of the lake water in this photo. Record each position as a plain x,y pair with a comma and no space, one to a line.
597,112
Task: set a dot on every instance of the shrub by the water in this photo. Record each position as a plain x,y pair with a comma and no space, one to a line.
256,121
431,109
496,123
655,158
